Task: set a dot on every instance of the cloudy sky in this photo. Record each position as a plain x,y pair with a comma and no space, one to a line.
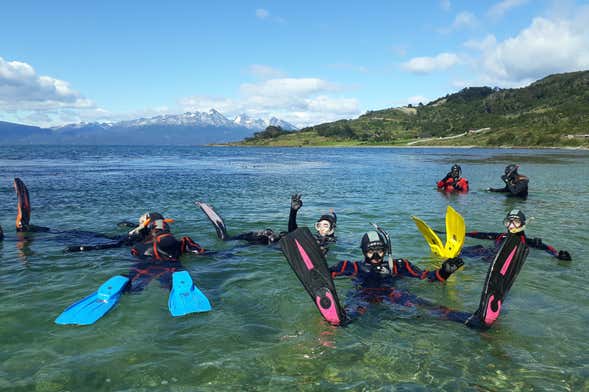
303,61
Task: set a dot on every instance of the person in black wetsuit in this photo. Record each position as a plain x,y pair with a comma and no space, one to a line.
325,226
375,279
515,184
515,220
159,252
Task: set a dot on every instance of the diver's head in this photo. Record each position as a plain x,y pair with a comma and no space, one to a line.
151,221
373,247
456,171
515,221
325,225
511,170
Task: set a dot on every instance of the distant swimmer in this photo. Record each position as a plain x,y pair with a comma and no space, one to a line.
515,184
453,182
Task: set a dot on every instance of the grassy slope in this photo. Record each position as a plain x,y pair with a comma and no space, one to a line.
541,114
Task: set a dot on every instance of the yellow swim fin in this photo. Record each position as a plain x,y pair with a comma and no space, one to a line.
455,233
434,242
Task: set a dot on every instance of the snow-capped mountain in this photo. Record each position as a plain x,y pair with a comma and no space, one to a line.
189,128
212,118
285,125
246,121
259,124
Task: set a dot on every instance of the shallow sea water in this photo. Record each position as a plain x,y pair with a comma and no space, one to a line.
263,333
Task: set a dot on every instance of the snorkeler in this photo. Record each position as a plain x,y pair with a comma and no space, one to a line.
515,219
325,226
159,252
515,184
453,182
375,279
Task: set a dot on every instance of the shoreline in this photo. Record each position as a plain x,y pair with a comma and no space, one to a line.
581,148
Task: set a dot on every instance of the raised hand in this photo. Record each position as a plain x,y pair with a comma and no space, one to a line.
295,201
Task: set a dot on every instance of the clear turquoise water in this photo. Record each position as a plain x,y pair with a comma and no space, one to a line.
264,333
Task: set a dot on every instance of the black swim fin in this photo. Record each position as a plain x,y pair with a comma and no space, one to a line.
23,214
215,219
502,273
308,262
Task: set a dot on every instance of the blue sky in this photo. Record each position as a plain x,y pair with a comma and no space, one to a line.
303,61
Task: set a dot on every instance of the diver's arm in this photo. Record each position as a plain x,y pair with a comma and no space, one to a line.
405,268
344,268
444,181
504,189
84,248
292,220
187,245
559,254
483,235
295,204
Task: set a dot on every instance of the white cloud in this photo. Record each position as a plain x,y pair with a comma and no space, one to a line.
262,13
265,72
424,65
499,9
302,101
486,43
22,89
463,20
545,47
445,5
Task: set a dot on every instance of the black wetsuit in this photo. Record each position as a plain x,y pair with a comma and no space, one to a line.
159,253
488,253
322,241
376,284
515,185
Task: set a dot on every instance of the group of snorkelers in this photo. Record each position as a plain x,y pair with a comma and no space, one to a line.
159,251
515,184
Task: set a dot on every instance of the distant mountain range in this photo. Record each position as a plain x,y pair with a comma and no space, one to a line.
181,129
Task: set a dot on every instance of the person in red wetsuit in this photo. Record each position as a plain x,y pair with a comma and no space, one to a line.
453,182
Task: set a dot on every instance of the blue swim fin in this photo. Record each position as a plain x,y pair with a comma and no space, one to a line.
185,297
88,310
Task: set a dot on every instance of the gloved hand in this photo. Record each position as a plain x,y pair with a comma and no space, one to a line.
457,187
564,255
295,201
450,266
